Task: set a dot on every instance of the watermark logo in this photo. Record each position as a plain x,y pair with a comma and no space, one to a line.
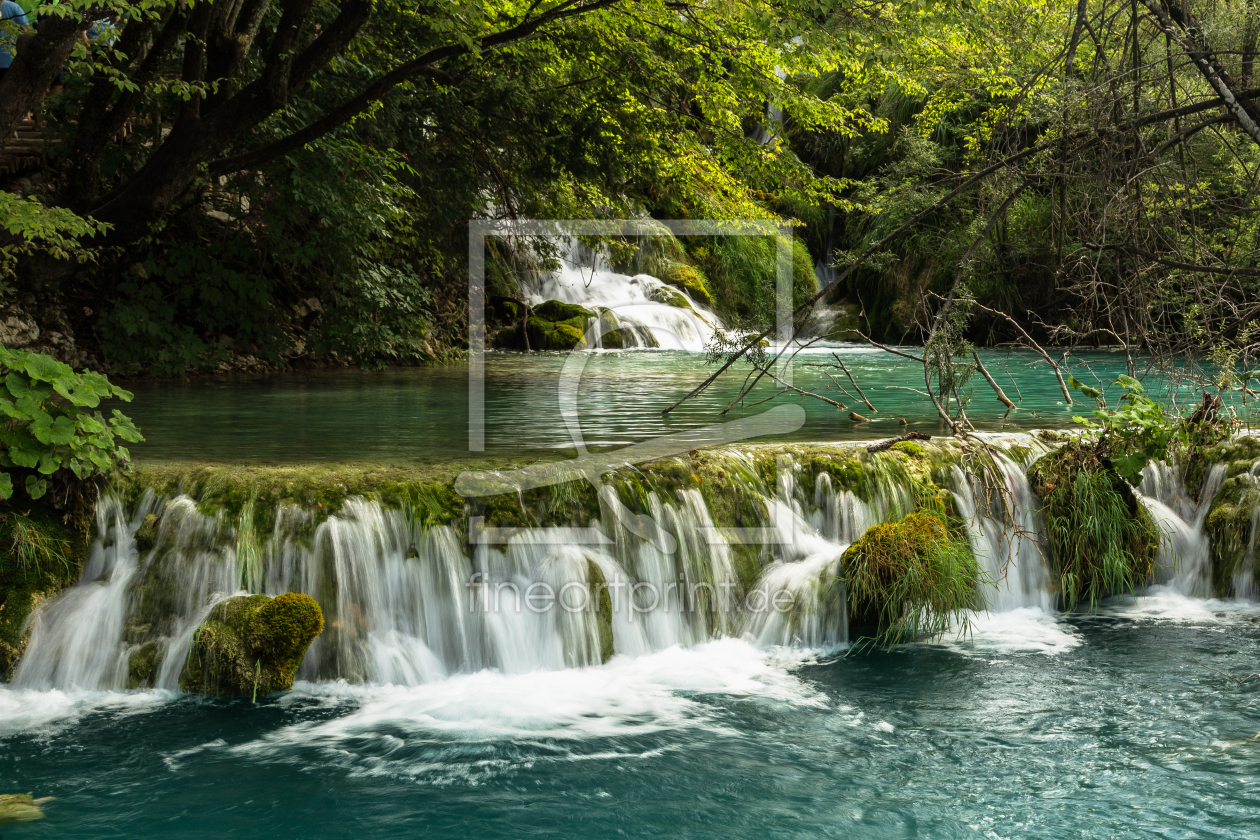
592,466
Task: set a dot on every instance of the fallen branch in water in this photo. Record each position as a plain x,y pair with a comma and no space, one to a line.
997,389
855,385
888,444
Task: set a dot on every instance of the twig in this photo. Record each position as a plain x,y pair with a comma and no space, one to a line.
855,385
1242,681
997,389
1034,345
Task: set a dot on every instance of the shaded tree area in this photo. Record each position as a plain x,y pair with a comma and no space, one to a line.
286,182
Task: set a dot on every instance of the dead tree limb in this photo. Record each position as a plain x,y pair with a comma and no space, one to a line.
888,444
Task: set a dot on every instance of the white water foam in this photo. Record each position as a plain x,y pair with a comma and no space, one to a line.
44,713
1023,630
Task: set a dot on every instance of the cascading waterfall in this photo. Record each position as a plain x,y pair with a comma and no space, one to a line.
649,313
1184,559
409,603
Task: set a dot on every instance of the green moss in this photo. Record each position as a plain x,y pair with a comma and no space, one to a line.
142,666
602,600
554,310
19,808
1102,540
1239,453
40,554
909,578
146,535
909,447
690,279
252,644
1229,526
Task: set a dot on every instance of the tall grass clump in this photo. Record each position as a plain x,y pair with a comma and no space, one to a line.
909,578
1102,540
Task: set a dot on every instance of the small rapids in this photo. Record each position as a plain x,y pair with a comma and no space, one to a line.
412,604
648,311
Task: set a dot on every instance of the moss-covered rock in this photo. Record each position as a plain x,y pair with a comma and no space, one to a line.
1103,541
690,279
909,578
602,601
671,297
146,534
40,554
252,644
142,665
554,310
20,808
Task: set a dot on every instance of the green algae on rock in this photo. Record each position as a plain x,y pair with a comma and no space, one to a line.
909,578
20,808
251,645
1103,541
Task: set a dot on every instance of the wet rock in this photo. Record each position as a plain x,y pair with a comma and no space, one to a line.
252,645
146,535
18,330
21,807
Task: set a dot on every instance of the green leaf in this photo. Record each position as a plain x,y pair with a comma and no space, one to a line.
36,487
122,426
78,392
23,387
6,485
1092,393
1130,384
46,368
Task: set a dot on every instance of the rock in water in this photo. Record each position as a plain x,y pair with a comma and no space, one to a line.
20,807
252,645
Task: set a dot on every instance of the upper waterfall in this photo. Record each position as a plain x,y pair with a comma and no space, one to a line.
659,315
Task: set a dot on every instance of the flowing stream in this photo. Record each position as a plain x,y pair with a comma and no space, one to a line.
462,675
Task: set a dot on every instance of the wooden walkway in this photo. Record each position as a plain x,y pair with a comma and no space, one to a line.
23,152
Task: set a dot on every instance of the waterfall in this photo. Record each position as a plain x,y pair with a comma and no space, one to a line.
1185,558
648,311
1006,534
409,603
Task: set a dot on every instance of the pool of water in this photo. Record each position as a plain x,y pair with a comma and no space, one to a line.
422,414
1033,726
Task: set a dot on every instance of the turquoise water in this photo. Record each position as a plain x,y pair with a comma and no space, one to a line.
1036,727
422,413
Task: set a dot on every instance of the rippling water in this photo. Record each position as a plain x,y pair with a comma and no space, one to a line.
1111,726
422,413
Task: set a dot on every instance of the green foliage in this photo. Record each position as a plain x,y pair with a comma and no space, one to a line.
51,430
1102,539
912,578
1134,434
34,228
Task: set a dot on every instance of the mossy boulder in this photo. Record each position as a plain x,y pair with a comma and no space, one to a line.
552,325
554,310
602,601
20,807
1230,523
671,297
146,534
142,665
252,645
1103,541
690,279
909,578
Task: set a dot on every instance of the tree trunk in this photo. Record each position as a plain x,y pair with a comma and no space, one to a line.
39,55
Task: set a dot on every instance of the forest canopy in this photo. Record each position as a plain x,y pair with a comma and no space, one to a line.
286,182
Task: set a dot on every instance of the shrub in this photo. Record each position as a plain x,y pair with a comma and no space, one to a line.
1102,540
51,432
909,578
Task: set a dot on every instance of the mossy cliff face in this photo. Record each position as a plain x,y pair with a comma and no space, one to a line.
909,578
1231,522
252,645
41,553
1103,541
551,325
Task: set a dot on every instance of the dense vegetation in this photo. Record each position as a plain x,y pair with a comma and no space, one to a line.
276,183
